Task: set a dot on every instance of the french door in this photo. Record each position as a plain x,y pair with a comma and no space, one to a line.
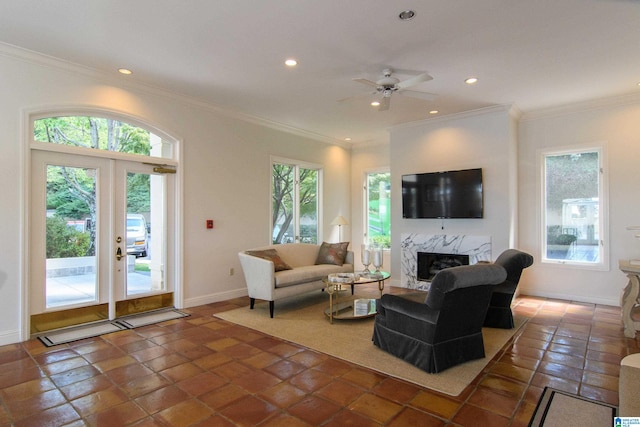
108,251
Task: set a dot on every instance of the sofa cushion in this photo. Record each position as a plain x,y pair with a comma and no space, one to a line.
297,254
332,253
271,255
309,273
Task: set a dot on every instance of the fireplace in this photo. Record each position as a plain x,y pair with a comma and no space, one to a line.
430,263
478,248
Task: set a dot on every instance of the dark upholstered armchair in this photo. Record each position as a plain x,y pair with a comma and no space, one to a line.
499,313
445,329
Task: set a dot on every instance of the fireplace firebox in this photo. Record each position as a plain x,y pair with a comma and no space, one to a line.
430,263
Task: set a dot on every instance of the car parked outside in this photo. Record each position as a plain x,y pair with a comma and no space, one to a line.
137,238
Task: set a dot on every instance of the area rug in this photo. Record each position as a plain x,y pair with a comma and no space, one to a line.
301,320
559,408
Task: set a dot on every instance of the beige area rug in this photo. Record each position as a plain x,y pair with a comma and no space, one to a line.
301,320
559,408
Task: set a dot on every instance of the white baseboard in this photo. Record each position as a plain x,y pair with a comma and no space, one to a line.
569,297
217,297
10,337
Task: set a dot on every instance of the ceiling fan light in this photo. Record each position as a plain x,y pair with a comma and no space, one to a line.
405,15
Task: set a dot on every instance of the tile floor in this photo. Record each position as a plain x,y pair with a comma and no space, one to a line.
202,371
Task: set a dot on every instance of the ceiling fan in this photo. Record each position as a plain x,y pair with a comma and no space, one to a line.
388,85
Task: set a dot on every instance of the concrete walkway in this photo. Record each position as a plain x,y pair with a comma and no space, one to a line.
81,288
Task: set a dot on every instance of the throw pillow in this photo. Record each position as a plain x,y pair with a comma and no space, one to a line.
271,255
332,253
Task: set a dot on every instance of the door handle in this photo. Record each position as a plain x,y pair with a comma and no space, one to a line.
119,255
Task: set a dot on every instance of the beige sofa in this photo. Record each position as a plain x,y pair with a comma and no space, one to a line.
264,283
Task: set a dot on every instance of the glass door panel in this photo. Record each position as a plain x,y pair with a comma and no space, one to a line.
69,257
145,233
71,262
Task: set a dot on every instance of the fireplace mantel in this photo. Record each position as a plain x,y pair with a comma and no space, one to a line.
477,247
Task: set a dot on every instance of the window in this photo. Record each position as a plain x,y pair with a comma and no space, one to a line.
377,190
100,133
295,190
574,207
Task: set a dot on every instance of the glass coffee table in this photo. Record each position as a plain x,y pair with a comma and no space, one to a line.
357,308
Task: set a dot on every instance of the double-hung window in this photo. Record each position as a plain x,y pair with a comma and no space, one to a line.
574,207
295,201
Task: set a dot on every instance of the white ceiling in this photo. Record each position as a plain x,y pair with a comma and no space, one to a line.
532,54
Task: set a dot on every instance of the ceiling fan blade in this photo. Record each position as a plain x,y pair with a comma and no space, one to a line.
366,82
360,95
420,95
385,103
424,77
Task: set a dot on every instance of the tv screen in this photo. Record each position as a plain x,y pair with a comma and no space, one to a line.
452,194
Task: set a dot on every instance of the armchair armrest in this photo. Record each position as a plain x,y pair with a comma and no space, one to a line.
259,275
413,309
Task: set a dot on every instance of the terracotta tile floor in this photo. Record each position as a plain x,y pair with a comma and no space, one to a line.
202,371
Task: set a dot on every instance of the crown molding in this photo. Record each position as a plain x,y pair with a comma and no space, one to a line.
370,143
40,59
511,110
279,126
582,106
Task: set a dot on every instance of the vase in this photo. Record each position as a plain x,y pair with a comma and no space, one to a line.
365,258
377,259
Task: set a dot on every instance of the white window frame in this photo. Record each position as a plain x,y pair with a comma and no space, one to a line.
603,220
297,164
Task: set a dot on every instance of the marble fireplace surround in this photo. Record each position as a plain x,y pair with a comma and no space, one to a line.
477,247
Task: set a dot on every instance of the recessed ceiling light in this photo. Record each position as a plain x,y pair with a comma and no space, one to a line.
375,104
125,71
347,139
291,62
471,80
434,112
405,15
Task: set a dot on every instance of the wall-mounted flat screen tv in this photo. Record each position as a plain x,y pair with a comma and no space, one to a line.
451,194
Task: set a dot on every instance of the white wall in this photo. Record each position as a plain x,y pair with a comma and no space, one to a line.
365,158
616,122
482,139
226,164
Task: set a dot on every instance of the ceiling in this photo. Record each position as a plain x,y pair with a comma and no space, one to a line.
532,54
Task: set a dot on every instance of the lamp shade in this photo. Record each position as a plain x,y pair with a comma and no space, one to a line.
339,220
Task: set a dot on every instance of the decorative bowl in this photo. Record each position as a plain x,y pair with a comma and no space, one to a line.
341,278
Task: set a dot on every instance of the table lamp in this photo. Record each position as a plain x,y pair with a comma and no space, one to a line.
339,221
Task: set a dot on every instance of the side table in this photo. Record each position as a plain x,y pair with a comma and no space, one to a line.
630,298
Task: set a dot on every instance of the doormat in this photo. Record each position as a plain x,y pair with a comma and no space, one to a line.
145,319
96,329
79,333
559,408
